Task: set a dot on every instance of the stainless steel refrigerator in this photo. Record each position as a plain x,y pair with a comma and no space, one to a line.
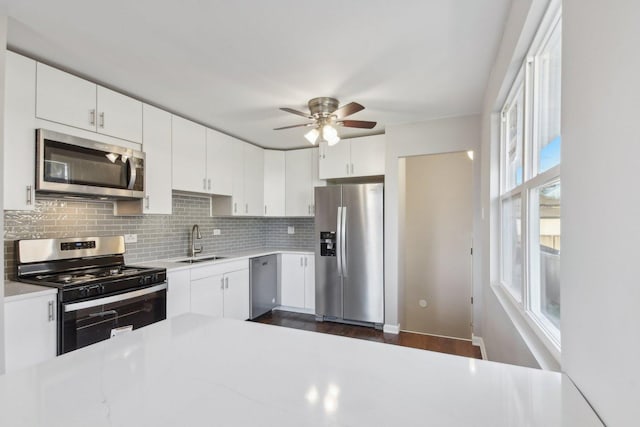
349,253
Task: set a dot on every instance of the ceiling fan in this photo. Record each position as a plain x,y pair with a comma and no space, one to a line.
326,115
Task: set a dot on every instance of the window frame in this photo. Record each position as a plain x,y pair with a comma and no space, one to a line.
526,81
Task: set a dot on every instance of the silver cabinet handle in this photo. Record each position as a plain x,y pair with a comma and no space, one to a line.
51,312
347,165
222,283
209,184
235,207
301,261
246,208
313,209
204,183
309,209
305,261
29,195
146,198
351,168
226,282
92,117
102,120
265,209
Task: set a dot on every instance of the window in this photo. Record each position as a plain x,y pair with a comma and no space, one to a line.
530,186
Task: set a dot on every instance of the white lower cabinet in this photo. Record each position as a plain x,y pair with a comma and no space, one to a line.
30,331
178,293
221,290
297,281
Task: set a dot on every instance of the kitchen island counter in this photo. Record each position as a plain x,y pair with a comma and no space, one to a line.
201,371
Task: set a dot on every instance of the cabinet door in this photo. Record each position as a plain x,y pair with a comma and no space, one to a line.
19,133
30,331
309,283
188,155
157,147
119,115
237,197
274,183
299,190
219,163
236,295
334,161
64,98
178,293
367,155
207,296
292,280
253,180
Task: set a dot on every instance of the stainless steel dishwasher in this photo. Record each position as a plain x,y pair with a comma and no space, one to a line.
264,284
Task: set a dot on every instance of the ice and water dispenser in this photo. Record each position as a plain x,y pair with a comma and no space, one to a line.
327,243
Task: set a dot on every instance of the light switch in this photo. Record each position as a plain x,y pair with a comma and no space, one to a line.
291,229
131,238
217,232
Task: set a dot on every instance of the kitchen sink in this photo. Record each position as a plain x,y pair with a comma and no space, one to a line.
203,259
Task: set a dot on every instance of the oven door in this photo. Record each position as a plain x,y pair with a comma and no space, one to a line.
68,164
87,322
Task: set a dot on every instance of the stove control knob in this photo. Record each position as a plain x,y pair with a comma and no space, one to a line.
83,291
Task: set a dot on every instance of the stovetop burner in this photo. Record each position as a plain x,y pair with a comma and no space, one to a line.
79,277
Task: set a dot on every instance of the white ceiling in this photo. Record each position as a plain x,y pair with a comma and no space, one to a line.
231,64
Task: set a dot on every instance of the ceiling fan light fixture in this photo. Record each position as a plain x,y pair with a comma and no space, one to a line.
312,136
330,134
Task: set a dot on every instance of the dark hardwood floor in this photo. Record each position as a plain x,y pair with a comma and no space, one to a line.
406,339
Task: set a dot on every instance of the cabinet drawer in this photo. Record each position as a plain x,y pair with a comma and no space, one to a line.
201,272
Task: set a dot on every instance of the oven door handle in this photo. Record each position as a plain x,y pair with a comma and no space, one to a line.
115,298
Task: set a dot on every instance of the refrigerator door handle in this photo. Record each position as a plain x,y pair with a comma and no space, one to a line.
339,241
343,242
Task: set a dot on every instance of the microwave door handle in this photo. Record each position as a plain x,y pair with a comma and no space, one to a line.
132,173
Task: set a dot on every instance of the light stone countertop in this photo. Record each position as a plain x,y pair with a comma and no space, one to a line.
15,291
196,370
173,264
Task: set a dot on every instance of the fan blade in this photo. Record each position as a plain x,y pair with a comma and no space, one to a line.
294,126
348,109
296,112
357,124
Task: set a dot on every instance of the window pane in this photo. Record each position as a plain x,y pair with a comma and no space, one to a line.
548,139
545,248
512,246
513,141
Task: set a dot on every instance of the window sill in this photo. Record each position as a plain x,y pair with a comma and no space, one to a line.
546,353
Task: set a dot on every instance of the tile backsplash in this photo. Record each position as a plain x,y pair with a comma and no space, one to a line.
159,236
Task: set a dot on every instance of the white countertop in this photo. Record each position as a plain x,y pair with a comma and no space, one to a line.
173,264
200,371
15,291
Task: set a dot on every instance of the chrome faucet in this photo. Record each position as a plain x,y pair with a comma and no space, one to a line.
195,234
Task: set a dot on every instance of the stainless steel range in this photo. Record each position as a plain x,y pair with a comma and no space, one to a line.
99,296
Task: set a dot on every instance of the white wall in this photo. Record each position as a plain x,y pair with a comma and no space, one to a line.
431,137
601,205
3,47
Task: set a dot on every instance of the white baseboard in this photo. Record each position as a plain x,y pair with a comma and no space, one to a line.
475,340
295,309
391,329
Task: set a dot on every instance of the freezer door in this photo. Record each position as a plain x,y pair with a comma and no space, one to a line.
363,262
328,280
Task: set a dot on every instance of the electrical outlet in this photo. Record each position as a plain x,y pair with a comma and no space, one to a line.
291,229
217,232
131,238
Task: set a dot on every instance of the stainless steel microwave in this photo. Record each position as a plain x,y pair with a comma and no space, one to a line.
78,166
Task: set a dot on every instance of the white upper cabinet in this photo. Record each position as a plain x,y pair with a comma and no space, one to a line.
253,180
355,157
237,164
188,154
70,100
119,115
65,98
156,144
301,179
274,183
19,133
219,165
